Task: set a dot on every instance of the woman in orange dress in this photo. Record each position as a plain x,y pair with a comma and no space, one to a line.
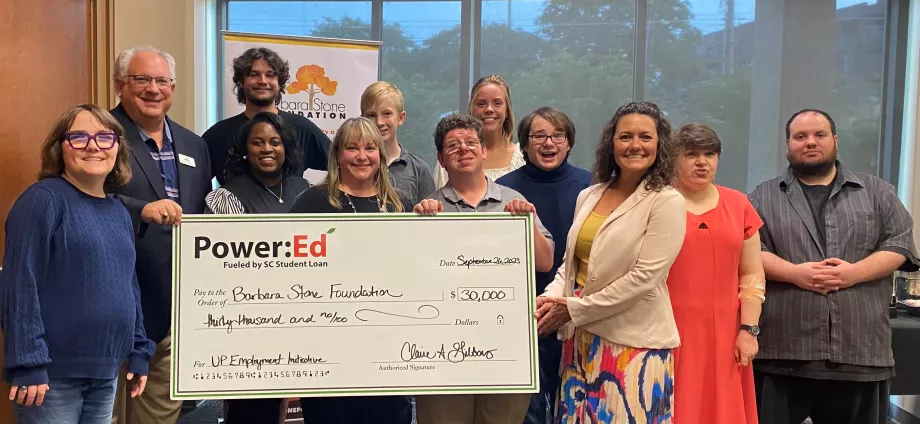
717,287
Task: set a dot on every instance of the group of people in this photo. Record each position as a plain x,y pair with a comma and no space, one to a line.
657,288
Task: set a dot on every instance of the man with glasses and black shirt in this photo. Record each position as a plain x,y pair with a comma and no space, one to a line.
259,77
171,176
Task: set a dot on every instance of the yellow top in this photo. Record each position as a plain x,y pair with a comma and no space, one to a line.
583,245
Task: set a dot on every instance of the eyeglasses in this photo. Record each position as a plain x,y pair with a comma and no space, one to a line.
79,140
541,138
453,146
142,81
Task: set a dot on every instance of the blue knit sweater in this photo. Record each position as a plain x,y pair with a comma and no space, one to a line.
553,193
69,296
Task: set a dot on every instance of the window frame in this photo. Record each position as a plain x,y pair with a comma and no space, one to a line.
893,80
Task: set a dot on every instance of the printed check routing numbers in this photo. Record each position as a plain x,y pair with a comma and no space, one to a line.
352,304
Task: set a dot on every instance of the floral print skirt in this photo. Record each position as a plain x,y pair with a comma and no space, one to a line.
603,382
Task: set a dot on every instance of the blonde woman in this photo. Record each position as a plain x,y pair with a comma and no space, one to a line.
71,311
356,183
490,101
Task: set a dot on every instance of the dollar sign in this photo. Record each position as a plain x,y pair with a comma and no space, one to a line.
453,294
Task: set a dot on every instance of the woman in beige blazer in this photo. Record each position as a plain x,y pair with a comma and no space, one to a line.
609,300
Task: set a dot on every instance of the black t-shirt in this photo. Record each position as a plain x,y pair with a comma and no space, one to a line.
220,138
316,200
817,196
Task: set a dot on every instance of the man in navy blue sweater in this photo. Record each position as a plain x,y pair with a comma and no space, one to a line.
547,180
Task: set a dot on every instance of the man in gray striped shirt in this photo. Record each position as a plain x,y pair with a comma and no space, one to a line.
832,238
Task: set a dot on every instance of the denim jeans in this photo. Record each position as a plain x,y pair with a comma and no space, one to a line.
72,401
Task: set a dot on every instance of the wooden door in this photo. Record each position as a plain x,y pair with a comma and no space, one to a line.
55,55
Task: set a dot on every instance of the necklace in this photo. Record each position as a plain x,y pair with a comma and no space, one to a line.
615,197
273,193
352,204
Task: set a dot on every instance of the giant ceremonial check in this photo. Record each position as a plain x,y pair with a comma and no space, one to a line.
352,304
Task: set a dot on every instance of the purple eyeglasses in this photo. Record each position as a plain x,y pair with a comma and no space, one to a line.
79,140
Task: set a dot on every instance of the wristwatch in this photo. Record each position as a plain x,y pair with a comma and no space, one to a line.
753,329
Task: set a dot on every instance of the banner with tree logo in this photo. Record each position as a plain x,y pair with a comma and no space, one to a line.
327,75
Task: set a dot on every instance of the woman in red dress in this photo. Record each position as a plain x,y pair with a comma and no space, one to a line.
717,287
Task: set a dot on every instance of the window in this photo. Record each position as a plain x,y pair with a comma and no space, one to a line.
422,57
573,55
856,104
701,58
580,56
696,73
345,19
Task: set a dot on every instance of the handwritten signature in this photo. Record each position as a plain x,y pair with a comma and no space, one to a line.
460,352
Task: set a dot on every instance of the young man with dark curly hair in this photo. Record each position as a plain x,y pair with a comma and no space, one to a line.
259,77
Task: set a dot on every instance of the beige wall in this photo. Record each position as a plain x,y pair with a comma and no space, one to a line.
182,28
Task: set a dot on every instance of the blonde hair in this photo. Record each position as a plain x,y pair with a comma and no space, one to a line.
508,124
52,155
361,128
377,92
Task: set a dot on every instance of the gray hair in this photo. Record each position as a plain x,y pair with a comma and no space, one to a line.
124,59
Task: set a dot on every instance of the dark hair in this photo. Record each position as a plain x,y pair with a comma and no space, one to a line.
52,154
552,115
697,137
242,65
455,121
237,164
659,175
823,113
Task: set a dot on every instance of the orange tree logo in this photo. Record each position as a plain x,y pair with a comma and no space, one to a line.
312,79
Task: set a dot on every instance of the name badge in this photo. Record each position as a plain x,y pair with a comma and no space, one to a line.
186,160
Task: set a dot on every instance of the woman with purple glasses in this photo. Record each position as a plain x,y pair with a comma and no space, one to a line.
69,302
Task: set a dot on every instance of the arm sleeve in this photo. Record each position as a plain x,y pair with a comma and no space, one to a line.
556,287
222,201
213,142
29,232
666,227
134,206
766,240
752,221
426,186
143,348
545,232
896,229
316,150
